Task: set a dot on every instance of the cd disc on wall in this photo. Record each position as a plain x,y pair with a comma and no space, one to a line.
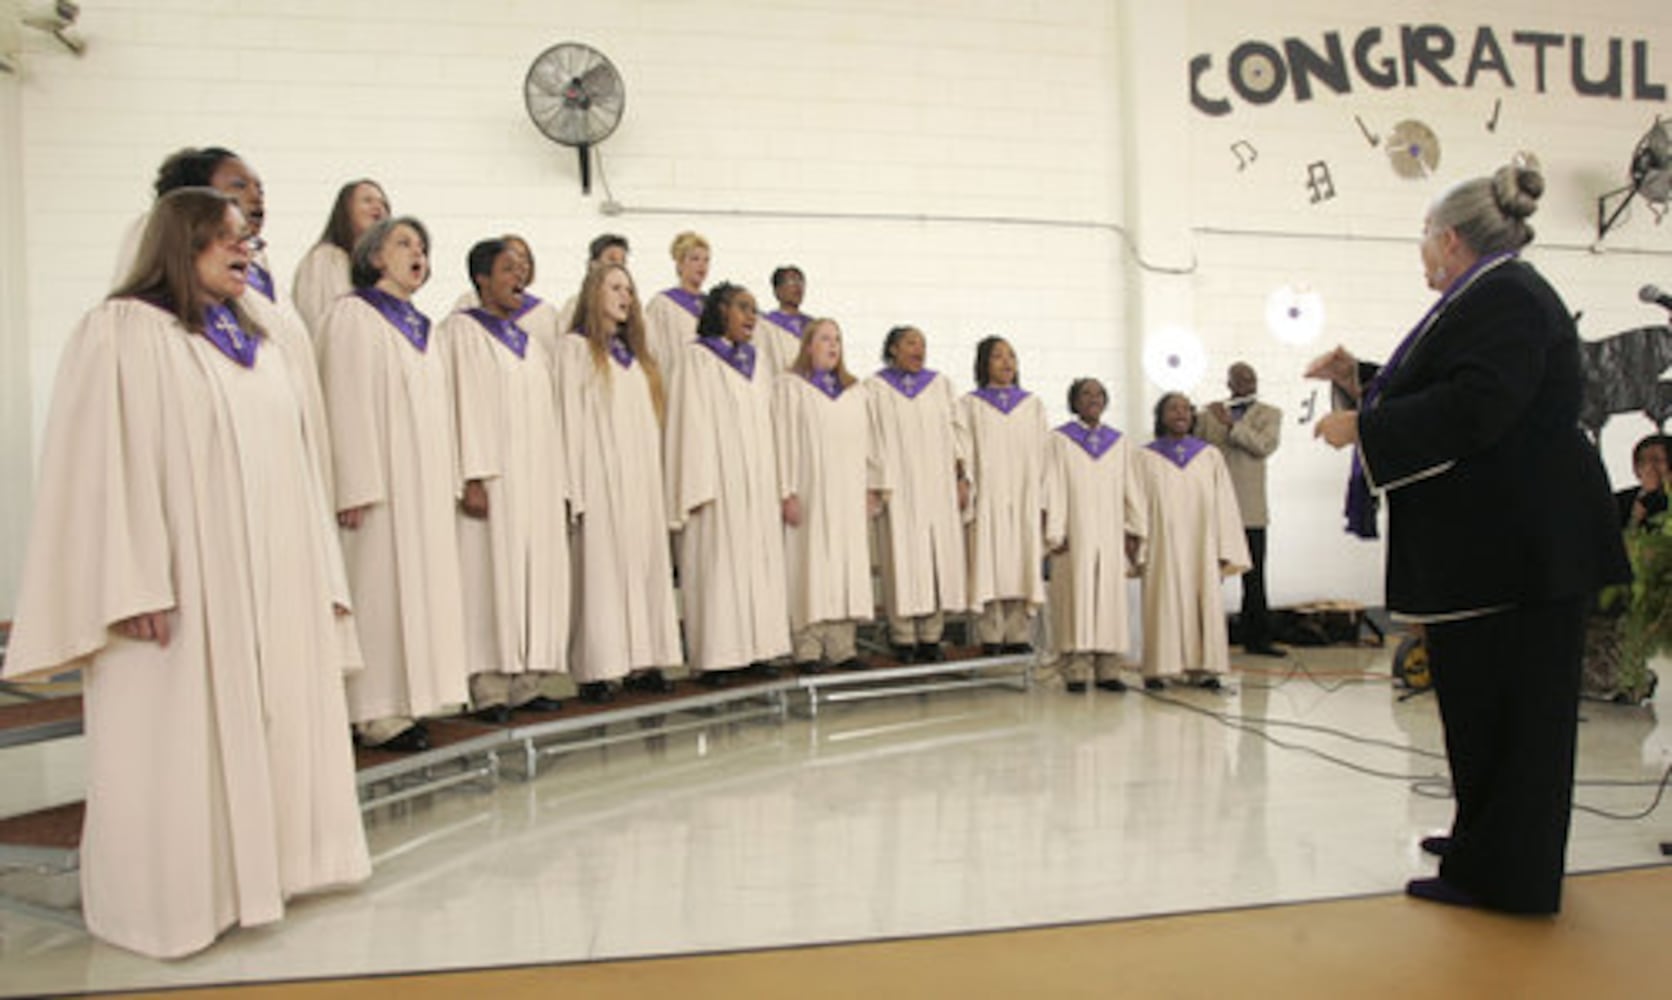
1174,359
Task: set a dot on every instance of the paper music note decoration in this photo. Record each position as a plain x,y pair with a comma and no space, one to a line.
1318,179
1308,407
1238,147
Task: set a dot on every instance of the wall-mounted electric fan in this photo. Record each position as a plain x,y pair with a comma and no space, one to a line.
1651,177
575,97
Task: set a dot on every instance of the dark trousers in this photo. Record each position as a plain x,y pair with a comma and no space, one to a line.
1508,688
1255,621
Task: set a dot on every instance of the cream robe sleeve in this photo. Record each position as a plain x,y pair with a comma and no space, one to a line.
351,376
787,432
1234,558
1137,502
98,547
321,279
573,384
1055,491
691,459
475,385
880,472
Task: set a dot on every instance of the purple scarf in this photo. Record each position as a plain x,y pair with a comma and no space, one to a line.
506,331
402,315
1096,441
1361,503
1178,452
1003,399
907,384
691,302
796,324
740,357
529,303
258,278
826,382
221,328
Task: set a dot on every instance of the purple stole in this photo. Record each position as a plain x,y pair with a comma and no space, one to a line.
794,325
1095,441
1003,399
1178,452
529,303
688,301
907,384
506,331
825,382
402,315
1361,503
619,349
221,328
257,278
739,357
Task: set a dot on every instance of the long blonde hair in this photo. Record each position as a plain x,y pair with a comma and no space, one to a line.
804,358
591,320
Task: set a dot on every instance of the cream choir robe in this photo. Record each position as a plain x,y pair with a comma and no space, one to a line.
1195,538
670,323
219,775
515,562
284,328
625,615
391,414
1006,468
916,443
322,277
778,345
566,313
722,483
539,318
1093,500
823,447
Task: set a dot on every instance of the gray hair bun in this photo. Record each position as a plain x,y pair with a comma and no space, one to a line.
1516,186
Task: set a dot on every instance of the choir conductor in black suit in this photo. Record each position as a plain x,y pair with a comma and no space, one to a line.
1500,532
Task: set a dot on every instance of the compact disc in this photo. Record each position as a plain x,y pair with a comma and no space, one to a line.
1174,359
1413,149
1295,314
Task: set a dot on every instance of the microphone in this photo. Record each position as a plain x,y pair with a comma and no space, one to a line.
1654,296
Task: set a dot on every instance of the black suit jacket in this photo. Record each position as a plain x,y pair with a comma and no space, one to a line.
1494,495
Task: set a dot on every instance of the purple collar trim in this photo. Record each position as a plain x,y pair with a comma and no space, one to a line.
402,315
529,304
506,331
907,384
619,350
825,382
1096,441
221,328
1178,452
258,278
795,324
740,357
691,302
1002,399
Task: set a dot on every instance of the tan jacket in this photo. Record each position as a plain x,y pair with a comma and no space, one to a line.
1246,445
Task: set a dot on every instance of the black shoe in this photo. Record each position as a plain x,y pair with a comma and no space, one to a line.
412,739
1114,684
1437,846
809,668
852,663
1154,684
1015,648
992,649
1438,890
596,692
1074,687
1266,650
930,652
769,671
1210,683
650,681
902,652
493,715
540,703
714,678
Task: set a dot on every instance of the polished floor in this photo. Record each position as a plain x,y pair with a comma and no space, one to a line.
932,814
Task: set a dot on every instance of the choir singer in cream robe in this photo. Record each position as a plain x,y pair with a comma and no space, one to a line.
722,482
1095,523
918,466
1005,517
823,435
670,317
391,412
605,248
513,546
182,558
626,624
535,316
323,275
1195,539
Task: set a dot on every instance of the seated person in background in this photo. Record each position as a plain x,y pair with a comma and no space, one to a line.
1639,503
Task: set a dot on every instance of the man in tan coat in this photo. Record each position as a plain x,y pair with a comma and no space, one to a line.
1246,432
